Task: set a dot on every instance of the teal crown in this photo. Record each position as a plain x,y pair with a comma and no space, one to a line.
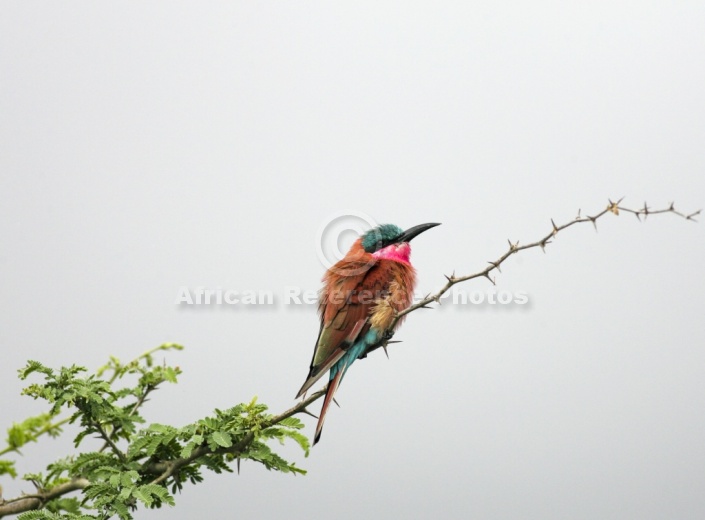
380,237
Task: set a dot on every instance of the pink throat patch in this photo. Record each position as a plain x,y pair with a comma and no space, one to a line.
395,252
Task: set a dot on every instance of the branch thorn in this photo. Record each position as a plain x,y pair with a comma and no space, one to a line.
487,275
613,207
495,265
594,221
555,228
306,411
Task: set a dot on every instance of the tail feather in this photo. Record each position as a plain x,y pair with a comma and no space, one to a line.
316,373
330,393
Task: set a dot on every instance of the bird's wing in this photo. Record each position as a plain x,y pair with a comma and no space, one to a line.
345,315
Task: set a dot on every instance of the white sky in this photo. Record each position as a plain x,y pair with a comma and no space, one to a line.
149,146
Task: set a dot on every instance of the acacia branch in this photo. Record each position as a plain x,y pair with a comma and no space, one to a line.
55,426
28,502
101,431
612,207
114,434
165,469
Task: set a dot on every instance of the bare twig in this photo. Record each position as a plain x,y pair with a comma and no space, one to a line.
612,207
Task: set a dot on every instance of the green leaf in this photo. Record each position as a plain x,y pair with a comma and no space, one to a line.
121,510
301,440
158,491
154,445
170,374
222,439
7,467
129,478
42,514
70,505
159,428
195,441
209,422
33,366
126,492
143,496
291,422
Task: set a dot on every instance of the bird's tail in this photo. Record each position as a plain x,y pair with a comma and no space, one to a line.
330,393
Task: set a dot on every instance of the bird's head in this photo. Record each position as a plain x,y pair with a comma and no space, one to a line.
392,242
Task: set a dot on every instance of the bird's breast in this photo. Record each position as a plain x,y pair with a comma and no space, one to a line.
399,295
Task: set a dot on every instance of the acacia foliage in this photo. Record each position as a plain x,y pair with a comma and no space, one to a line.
133,465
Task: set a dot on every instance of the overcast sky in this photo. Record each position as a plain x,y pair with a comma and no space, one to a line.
151,146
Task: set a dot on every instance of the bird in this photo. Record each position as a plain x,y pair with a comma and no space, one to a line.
361,295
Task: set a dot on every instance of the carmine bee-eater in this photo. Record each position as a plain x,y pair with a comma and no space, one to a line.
360,298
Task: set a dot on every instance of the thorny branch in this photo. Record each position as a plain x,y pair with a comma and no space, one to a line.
514,247
165,469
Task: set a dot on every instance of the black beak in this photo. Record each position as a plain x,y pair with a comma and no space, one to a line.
410,233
